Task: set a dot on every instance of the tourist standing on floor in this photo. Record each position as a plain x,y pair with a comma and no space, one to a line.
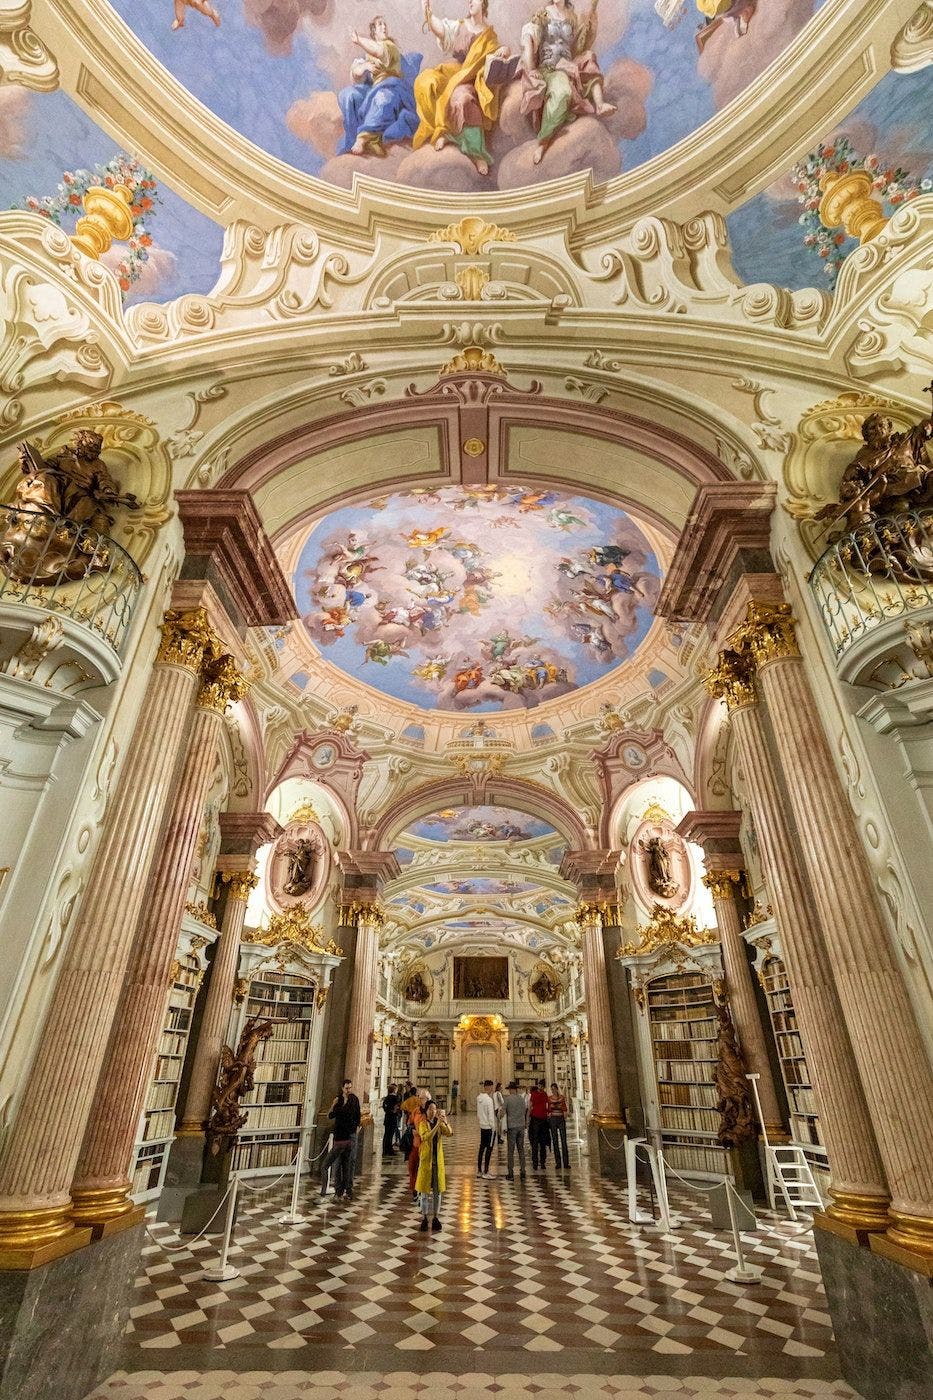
486,1116
432,1180
415,1110
497,1104
538,1128
454,1095
345,1114
557,1122
390,1107
515,1114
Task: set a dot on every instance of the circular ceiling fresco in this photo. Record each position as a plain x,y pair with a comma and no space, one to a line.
481,598
466,95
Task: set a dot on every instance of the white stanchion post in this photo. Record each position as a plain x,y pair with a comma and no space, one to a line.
660,1183
635,1214
291,1216
742,1273
224,1271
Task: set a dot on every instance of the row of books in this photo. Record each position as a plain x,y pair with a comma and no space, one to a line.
162,1095
289,1030
686,1071
694,1159
789,1043
168,1067
253,1156
173,1043
696,1011
267,992
159,1125
280,1093
697,1028
262,1116
275,1071
178,1018
695,1119
804,1100
277,1051
697,1094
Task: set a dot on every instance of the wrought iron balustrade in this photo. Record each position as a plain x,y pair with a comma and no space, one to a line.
50,562
880,571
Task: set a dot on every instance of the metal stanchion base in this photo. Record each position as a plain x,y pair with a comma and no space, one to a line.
751,1273
290,1218
220,1274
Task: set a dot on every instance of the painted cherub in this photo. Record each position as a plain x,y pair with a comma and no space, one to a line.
203,7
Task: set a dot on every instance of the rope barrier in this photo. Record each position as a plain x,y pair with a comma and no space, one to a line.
261,1190
176,1249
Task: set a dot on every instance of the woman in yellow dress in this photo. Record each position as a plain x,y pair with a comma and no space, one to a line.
455,101
431,1182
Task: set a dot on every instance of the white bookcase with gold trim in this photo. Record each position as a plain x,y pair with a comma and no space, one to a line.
157,1124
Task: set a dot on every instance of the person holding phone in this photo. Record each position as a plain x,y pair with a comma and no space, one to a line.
432,1179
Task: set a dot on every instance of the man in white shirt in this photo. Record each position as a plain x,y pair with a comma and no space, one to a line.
486,1113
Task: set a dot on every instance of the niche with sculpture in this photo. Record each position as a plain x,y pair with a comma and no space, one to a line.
659,863
300,863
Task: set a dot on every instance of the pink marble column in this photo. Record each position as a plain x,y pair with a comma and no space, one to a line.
886,1041
742,1000
101,1185
213,1029
859,1188
604,1079
45,1141
362,1003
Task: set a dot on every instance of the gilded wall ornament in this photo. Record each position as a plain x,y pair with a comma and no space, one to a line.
202,913
472,235
768,632
294,926
667,929
473,360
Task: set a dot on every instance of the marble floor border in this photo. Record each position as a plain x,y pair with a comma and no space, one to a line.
467,1360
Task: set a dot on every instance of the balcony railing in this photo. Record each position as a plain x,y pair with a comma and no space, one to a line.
52,563
879,571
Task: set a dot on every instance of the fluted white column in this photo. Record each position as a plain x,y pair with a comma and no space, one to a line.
604,1079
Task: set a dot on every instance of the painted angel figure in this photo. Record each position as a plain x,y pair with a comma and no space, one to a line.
561,76
458,101
378,108
203,7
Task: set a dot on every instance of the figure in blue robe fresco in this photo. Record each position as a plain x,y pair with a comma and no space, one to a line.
378,108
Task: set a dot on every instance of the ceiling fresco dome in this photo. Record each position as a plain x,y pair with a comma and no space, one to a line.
486,598
466,96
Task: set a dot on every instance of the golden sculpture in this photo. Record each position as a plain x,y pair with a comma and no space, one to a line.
665,929
202,913
234,1081
294,926
768,633
474,360
67,502
186,636
847,203
732,679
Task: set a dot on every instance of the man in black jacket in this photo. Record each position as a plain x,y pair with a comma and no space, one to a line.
346,1114
390,1108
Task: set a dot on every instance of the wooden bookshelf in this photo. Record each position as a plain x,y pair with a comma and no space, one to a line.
157,1125
801,1100
434,1067
528,1060
400,1067
562,1052
269,1139
682,1023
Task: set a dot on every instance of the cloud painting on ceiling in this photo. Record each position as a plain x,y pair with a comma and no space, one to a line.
480,885
485,598
486,823
466,94
51,152
794,233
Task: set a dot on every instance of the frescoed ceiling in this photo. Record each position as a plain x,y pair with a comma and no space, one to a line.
309,82
480,598
478,824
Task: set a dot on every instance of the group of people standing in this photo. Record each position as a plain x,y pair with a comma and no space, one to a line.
541,1114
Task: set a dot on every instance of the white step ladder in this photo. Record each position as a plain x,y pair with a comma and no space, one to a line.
788,1171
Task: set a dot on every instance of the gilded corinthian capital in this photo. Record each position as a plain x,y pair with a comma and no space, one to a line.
732,678
186,636
222,683
720,883
768,631
241,883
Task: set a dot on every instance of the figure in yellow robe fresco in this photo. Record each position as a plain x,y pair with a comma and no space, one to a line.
458,101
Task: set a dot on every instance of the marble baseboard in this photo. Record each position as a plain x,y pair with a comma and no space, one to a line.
883,1320
61,1324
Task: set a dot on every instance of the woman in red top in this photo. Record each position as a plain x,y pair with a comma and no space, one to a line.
557,1122
538,1129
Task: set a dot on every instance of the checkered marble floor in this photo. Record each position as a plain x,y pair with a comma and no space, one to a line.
532,1287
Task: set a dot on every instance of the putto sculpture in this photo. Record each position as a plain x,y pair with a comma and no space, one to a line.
889,473
55,528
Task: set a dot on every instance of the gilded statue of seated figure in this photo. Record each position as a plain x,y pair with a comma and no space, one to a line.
74,489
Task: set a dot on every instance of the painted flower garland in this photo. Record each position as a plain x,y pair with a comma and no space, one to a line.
892,185
121,170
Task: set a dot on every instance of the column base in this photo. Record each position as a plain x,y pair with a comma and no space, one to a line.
29,1238
61,1325
105,1210
855,1216
882,1315
606,1135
